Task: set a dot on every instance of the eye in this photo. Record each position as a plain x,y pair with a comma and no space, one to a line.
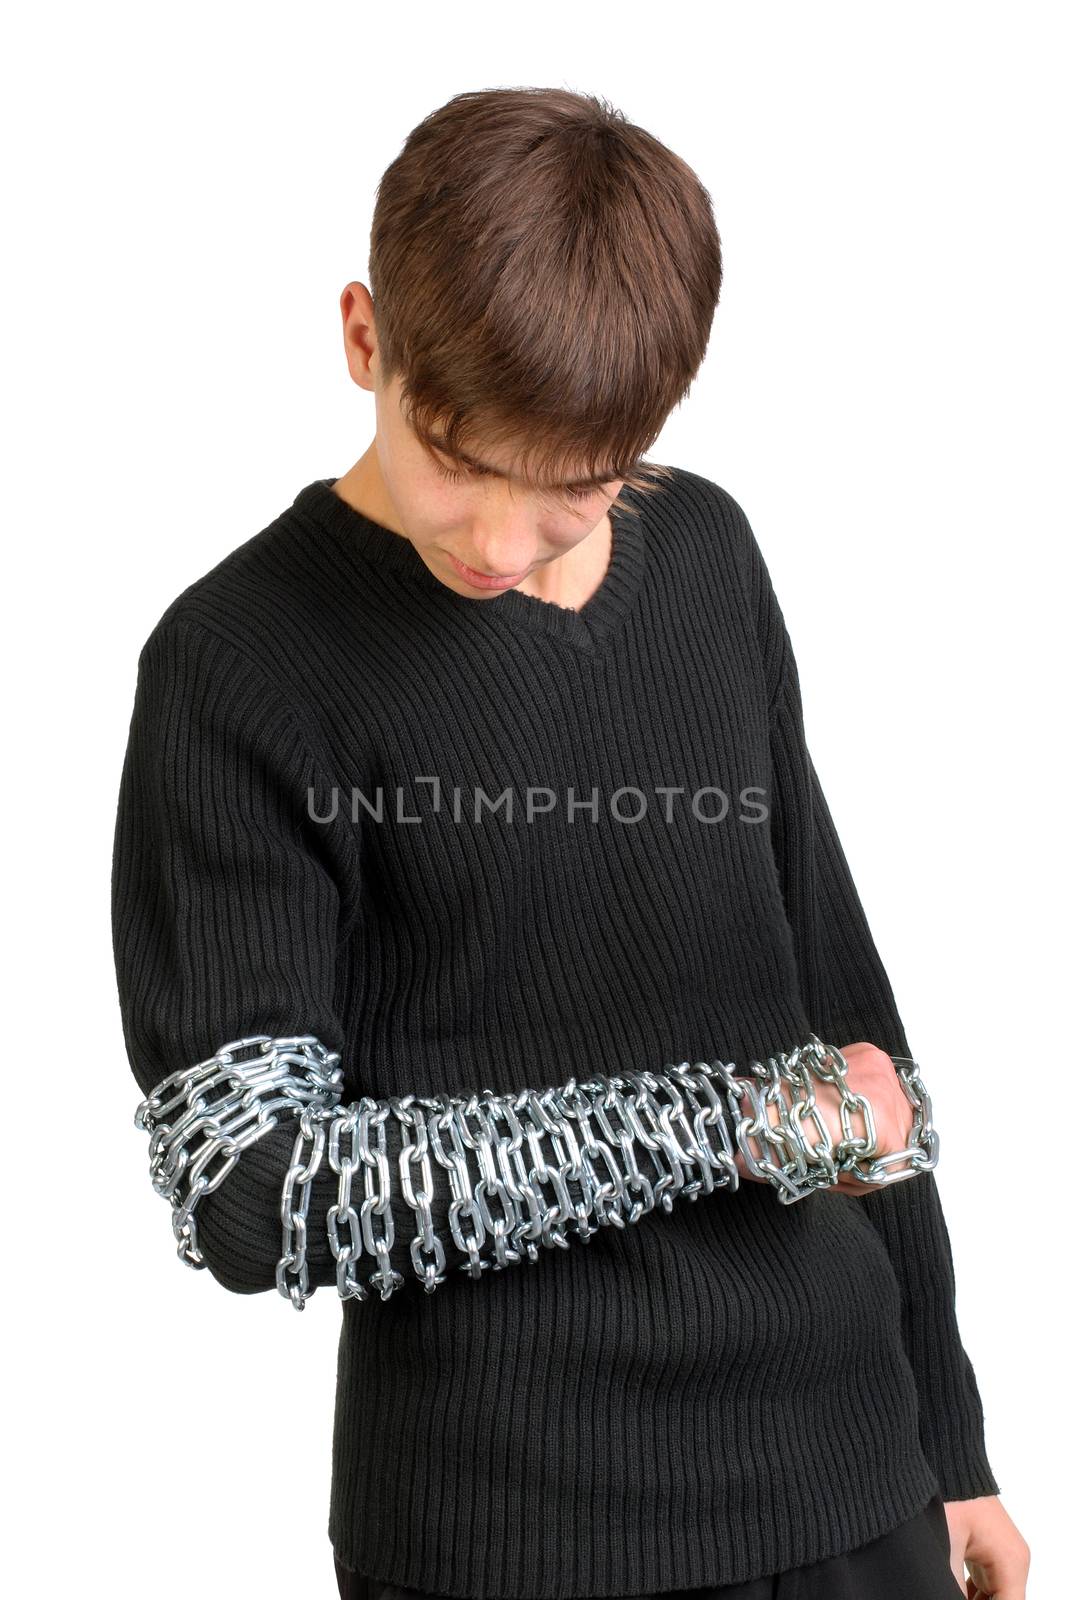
452,476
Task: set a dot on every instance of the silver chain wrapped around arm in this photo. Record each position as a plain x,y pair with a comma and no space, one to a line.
547,1164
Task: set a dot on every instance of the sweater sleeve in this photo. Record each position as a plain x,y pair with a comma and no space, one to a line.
225,910
848,999
228,901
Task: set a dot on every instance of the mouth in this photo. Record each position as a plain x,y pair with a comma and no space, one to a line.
485,580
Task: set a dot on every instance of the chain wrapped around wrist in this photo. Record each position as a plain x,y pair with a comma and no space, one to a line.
788,1159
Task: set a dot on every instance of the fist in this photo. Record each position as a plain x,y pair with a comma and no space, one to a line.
871,1073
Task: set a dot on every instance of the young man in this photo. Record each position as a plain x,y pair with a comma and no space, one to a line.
472,797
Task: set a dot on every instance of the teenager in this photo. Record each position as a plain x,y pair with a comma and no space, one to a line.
503,597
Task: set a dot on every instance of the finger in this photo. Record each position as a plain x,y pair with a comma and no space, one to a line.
1000,1580
960,1574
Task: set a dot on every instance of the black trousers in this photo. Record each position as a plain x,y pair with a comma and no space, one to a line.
907,1563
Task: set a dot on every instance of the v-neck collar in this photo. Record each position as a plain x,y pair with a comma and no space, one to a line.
590,628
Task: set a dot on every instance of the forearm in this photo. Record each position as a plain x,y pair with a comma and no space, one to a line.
367,1196
408,1189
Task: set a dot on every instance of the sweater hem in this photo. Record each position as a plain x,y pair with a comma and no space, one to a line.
821,1534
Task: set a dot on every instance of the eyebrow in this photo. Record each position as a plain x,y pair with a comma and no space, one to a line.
495,472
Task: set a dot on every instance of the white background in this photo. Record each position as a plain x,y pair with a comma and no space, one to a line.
187,191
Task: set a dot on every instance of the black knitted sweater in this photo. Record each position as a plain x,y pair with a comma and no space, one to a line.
725,1390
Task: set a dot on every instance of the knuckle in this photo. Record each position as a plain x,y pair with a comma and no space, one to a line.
874,1055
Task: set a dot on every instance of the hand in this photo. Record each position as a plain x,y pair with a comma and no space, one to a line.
871,1073
983,1535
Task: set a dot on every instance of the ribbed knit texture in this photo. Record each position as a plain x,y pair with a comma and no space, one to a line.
729,1390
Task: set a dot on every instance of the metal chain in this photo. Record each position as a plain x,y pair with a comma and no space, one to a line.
616,1147
797,1167
577,1190
223,1105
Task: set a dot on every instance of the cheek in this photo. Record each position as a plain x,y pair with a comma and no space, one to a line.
563,528
435,506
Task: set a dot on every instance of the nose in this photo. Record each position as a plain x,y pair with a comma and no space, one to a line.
498,555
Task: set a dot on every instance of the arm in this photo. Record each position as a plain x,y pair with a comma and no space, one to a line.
225,905
848,998
228,909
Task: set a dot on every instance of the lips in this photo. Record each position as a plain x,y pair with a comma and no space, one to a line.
485,580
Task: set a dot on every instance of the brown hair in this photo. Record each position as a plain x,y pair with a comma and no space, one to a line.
542,271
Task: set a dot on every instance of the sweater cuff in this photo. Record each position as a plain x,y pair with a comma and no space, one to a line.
951,1419
910,1221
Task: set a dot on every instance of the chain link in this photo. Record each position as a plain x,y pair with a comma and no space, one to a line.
521,1172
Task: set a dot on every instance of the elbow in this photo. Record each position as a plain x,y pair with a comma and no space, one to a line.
236,1260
